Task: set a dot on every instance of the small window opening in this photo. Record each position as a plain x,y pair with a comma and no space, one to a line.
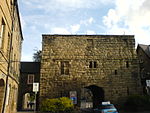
95,64
65,68
127,64
116,72
92,64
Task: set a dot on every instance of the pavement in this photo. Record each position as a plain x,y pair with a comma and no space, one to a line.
136,112
26,112
87,112
90,111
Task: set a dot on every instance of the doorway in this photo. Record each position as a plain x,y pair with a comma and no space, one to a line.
98,95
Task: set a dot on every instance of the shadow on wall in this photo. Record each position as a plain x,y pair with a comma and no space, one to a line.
2,86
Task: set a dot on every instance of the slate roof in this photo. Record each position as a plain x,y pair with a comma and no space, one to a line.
146,49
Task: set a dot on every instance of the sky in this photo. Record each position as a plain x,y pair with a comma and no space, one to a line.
106,17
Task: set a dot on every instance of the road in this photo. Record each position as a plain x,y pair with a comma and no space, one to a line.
91,111
86,111
136,112
25,112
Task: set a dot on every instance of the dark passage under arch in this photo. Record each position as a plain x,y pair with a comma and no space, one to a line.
98,94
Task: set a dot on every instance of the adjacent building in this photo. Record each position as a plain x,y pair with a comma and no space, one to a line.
10,53
29,74
143,52
89,68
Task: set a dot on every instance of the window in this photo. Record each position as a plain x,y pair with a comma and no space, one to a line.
65,67
95,64
92,64
30,79
2,30
8,94
127,64
116,72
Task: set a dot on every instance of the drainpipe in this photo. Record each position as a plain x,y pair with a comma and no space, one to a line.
9,57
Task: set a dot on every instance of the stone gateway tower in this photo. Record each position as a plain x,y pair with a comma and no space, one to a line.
89,68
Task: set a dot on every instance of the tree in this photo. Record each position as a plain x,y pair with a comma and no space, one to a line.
37,56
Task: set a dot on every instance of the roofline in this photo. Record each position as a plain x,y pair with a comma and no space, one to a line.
85,35
16,4
142,49
143,45
139,45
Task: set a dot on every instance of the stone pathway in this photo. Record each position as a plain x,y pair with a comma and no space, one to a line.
26,112
86,112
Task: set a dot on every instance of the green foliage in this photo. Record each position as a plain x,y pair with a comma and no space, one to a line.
49,105
31,97
37,56
57,105
137,103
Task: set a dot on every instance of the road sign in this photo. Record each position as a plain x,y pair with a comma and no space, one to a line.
74,100
35,87
73,96
148,82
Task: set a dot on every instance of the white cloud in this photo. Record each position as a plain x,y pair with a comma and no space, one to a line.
26,57
63,30
23,23
65,5
90,20
90,32
59,30
87,21
75,28
130,16
111,18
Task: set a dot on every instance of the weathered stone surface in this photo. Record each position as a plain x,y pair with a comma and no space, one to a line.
106,61
10,28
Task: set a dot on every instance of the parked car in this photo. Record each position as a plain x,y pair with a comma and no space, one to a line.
106,108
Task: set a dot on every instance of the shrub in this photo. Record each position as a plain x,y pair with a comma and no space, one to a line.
137,103
66,103
56,105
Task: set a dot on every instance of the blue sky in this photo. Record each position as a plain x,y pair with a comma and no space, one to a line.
130,17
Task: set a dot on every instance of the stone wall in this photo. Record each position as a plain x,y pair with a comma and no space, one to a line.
10,28
106,61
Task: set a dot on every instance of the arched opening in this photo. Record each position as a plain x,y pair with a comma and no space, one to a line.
86,98
2,86
98,94
28,101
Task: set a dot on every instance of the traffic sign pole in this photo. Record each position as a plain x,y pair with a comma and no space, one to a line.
35,89
35,102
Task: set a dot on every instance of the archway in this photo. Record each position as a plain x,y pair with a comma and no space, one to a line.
2,86
28,101
86,98
98,94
